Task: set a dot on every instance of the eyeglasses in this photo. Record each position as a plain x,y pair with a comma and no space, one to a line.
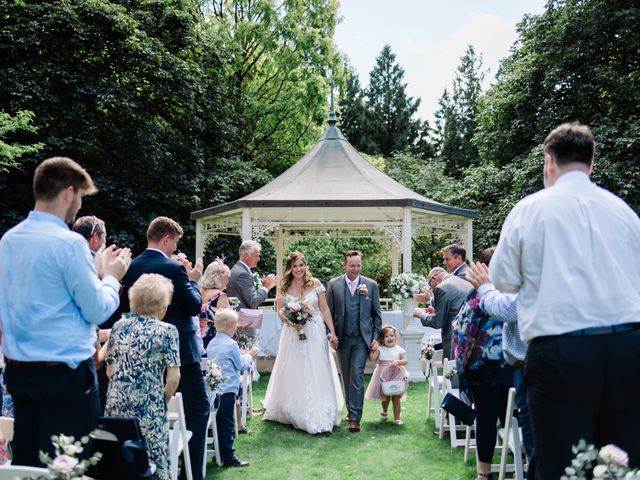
94,224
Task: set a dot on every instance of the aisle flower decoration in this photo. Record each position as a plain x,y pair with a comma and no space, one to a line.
405,285
612,463
214,376
298,312
428,348
65,465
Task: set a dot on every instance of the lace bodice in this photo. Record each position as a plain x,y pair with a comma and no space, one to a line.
311,296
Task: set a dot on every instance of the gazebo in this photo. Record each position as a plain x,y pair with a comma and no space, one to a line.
333,192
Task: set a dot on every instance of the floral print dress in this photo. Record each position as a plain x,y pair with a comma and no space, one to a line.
139,350
477,338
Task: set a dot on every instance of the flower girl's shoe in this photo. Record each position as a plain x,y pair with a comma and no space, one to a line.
384,416
398,422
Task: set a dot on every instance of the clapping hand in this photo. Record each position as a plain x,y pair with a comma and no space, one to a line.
423,297
195,272
116,261
478,274
269,281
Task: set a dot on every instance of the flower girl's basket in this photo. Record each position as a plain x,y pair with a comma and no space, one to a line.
392,388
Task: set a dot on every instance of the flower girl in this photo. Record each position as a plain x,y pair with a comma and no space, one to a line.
391,360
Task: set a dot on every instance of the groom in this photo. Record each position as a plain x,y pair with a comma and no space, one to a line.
354,302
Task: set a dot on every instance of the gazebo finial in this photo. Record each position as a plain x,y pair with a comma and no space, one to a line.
332,114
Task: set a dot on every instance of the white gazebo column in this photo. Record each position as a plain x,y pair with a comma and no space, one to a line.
468,241
280,233
246,224
395,258
413,329
406,240
199,238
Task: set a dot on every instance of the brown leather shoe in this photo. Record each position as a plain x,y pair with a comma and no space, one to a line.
354,426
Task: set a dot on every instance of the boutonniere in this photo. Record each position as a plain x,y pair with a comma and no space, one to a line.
362,289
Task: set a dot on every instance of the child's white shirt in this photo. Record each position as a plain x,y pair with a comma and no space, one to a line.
391,353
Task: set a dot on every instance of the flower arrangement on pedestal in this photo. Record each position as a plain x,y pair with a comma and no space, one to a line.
405,285
613,463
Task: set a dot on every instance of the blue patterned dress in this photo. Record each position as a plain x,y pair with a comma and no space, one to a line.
139,350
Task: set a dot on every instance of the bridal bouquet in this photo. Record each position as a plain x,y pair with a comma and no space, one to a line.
406,284
214,376
65,465
298,312
613,463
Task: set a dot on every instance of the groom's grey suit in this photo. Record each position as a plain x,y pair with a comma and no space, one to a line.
355,335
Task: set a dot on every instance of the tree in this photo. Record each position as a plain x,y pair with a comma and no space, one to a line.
134,91
557,73
352,114
18,124
390,111
456,117
281,56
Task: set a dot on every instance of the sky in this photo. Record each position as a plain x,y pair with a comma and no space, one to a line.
429,37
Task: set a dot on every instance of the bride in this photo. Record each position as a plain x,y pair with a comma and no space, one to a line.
304,389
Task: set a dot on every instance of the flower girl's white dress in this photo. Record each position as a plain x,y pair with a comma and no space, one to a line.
304,389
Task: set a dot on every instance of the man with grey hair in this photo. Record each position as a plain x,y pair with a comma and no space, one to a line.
241,283
449,293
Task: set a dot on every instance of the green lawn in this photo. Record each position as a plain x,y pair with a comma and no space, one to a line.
379,451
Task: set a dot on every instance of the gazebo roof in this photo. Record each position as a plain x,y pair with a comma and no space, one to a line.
333,174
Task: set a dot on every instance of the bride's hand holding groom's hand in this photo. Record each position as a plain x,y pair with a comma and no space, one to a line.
333,340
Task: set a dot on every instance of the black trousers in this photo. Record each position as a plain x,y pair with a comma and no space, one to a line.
583,387
196,412
48,401
489,387
225,425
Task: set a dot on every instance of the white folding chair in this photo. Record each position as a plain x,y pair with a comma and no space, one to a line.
178,438
11,472
433,386
6,428
211,447
511,442
448,420
247,393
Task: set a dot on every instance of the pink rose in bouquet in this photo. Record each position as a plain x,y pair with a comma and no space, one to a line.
298,312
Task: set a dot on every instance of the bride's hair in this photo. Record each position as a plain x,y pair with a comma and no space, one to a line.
287,278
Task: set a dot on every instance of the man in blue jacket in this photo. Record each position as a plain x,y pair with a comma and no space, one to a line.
163,235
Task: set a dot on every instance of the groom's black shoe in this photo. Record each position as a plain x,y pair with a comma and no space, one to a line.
235,462
354,426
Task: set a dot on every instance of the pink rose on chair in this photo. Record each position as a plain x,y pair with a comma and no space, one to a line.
64,463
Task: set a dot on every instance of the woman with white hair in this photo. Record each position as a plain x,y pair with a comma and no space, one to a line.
142,348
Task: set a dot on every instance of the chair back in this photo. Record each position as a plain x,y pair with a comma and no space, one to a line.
6,428
178,437
124,453
11,472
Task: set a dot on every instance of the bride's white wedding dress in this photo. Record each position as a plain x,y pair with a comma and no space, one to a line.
304,389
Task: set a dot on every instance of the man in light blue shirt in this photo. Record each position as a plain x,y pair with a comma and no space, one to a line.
51,301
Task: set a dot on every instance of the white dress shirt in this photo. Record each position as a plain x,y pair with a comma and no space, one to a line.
572,253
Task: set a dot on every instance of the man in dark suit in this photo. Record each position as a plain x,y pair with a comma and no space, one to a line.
241,284
454,258
449,293
354,302
163,235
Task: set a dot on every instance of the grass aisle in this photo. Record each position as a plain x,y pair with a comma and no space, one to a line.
379,451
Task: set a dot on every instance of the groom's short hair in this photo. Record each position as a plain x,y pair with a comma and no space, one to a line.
352,253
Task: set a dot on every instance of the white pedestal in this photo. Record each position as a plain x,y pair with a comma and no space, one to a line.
408,305
413,345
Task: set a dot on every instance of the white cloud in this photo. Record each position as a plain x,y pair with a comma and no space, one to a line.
428,73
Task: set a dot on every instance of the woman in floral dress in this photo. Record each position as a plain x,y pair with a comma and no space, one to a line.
141,347
477,342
